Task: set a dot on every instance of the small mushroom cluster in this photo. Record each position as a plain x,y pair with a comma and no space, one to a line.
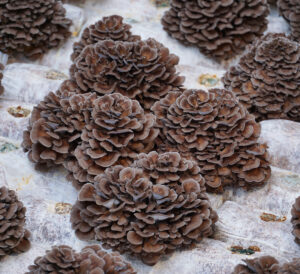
32,27
218,132
153,207
290,10
220,29
1,77
13,235
267,264
91,259
296,220
267,78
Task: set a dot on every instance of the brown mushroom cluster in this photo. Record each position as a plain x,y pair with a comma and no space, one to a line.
109,28
220,29
267,264
290,10
151,208
1,77
218,132
91,259
296,220
32,27
13,235
267,78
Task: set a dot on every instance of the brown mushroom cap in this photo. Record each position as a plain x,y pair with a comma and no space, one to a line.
151,208
32,27
109,28
13,235
266,79
292,267
296,220
217,131
213,27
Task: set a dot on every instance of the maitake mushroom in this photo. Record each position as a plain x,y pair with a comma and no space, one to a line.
109,28
1,77
155,206
218,132
292,267
92,259
290,10
13,235
142,70
220,29
296,220
267,78
32,27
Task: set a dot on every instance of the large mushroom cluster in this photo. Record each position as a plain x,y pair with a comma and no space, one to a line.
218,132
296,220
91,259
155,206
267,78
32,27
13,235
220,29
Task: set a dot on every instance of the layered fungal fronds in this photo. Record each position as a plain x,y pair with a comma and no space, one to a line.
296,220
218,132
265,264
267,80
115,132
290,10
109,28
142,70
292,267
213,27
1,77
13,235
32,27
153,207
92,259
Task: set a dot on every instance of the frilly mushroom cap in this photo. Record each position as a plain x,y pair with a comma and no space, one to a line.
32,27
292,267
13,235
265,264
218,132
213,27
296,220
92,259
109,28
290,10
142,70
115,132
151,208
266,79
1,77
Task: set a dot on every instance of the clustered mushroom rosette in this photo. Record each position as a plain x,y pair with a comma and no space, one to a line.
32,27
267,79
13,235
213,27
153,207
91,259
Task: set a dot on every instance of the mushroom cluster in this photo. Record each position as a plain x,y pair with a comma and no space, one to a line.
151,208
1,77
267,78
13,235
91,259
296,220
218,132
290,10
267,264
32,27
220,29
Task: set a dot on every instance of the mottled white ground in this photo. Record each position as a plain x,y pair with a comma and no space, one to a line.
239,211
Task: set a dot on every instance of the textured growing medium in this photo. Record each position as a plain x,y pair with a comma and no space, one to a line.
1,77
213,27
296,220
92,259
142,70
290,10
109,28
218,132
13,235
151,208
32,27
267,78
